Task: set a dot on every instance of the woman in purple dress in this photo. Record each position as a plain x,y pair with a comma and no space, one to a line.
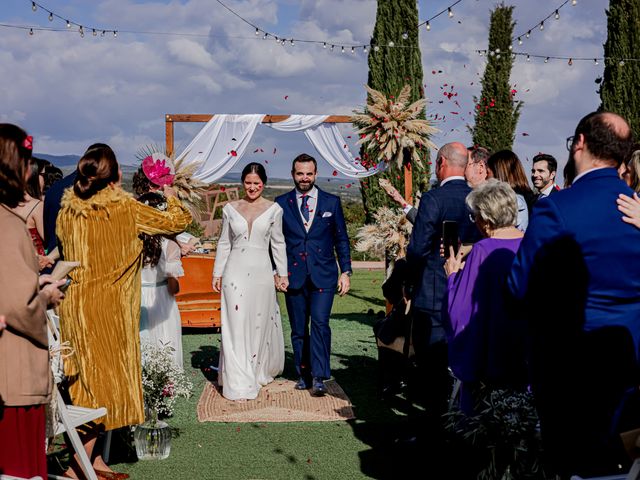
486,341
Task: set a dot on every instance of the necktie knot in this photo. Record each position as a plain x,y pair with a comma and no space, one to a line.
304,208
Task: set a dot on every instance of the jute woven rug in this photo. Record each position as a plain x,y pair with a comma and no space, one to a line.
277,402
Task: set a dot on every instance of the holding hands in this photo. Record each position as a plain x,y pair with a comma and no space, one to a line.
282,283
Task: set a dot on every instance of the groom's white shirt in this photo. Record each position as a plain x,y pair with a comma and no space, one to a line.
312,203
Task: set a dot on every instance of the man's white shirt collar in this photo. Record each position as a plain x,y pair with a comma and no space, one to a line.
448,179
547,191
313,193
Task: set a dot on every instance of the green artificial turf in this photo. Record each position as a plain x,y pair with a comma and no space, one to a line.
320,450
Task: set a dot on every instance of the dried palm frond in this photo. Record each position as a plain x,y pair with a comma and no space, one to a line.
388,128
390,233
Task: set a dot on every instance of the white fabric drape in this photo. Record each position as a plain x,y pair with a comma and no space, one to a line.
220,145
224,139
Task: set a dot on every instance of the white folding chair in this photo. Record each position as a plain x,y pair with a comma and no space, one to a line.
69,416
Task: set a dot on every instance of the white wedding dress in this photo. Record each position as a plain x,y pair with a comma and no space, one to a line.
159,315
252,352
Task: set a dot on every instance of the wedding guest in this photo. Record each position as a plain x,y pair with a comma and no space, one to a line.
50,175
486,342
506,167
159,316
629,171
31,210
252,352
98,226
25,377
543,175
476,171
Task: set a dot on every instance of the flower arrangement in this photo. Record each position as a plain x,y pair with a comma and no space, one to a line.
162,380
389,233
390,127
505,425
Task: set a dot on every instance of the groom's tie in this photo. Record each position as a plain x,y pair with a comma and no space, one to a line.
304,208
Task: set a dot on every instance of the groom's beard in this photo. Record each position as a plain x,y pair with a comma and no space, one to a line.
304,187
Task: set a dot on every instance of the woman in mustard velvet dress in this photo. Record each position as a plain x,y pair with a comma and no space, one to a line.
98,226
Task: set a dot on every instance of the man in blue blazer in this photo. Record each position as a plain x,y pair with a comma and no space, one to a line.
444,203
314,228
578,374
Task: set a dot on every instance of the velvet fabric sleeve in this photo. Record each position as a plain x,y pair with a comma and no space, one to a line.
151,221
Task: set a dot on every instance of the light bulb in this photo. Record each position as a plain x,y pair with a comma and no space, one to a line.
342,50
364,49
570,62
498,56
497,50
265,36
257,31
391,44
546,60
481,53
621,63
528,58
50,17
510,47
103,33
557,15
405,35
519,40
574,2
324,45
94,33
34,7
450,12
332,47
528,34
81,32
353,50
68,24
542,25
292,44
31,31
428,26
492,53
376,48
115,33
595,61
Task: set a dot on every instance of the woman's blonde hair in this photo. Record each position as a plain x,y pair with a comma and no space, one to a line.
495,203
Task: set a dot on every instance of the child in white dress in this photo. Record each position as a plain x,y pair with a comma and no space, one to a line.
159,317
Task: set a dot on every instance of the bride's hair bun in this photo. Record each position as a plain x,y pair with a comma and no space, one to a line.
97,168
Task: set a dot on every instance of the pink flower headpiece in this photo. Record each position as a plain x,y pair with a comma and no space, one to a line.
159,169
28,142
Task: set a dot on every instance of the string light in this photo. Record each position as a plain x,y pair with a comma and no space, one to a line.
50,17
554,13
34,7
68,24
353,50
257,31
364,49
405,35
428,26
574,3
450,12
31,32
595,61
570,60
546,60
94,33
519,40
342,49
391,44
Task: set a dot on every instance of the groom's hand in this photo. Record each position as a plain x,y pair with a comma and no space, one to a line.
344,284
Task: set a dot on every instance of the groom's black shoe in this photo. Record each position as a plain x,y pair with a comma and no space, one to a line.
318,389
302,384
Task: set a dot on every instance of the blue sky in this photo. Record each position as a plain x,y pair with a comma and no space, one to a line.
70,92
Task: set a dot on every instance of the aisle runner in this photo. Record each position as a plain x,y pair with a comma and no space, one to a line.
277,402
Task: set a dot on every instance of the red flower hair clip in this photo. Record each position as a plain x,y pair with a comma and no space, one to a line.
28,142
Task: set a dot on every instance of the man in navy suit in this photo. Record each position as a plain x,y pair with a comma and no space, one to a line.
445,203
314,227
543,175
579,373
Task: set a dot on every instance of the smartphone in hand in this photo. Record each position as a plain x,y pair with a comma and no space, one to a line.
450,237
63,287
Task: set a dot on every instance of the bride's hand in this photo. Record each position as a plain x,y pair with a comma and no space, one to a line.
217,283
282,283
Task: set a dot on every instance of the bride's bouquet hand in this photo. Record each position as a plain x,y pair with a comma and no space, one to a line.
217,284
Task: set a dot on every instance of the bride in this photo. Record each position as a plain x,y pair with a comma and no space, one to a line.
252,352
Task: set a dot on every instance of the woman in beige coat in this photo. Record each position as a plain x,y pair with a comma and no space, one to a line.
25,377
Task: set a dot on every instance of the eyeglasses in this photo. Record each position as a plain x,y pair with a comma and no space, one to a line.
570,142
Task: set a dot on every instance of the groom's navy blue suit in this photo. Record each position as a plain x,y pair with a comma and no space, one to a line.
313,275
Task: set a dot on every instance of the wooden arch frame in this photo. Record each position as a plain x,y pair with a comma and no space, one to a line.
171,118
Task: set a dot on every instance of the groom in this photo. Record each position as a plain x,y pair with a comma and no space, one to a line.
313,226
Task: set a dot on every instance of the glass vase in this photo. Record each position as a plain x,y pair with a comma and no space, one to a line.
152,439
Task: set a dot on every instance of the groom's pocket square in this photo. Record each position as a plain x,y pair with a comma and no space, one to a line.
326,214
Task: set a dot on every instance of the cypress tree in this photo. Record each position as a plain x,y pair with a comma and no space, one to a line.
497,112
620,88
390,69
